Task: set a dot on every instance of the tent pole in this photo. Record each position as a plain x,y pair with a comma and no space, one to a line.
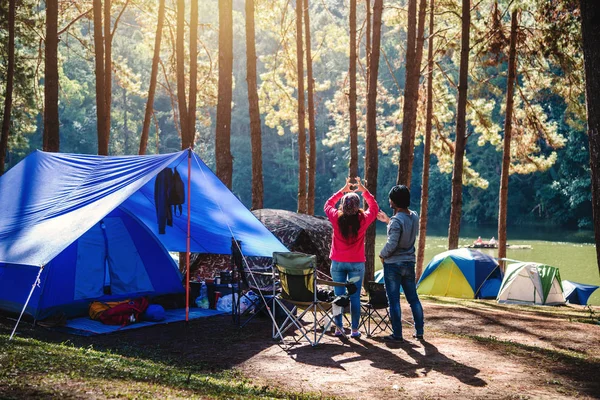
187,247
35,283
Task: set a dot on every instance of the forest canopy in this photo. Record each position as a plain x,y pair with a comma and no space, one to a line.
549,170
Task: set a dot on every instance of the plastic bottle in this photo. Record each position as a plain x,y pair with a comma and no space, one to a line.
202,300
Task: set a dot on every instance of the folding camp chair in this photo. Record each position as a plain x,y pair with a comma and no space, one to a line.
298,280
375,316
254,287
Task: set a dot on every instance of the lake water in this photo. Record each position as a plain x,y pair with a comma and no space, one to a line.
573,252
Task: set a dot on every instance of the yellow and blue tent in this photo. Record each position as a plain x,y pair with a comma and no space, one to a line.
463,273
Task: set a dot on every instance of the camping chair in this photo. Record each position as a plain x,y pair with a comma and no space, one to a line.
298,280
254,287
375,316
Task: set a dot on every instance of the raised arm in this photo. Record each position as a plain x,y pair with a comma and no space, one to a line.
371,213
329,208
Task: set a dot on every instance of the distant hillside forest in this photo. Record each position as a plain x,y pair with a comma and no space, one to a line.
549,81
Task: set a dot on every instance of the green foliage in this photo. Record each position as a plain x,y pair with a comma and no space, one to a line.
549,116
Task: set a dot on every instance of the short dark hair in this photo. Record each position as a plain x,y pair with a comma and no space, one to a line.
400,196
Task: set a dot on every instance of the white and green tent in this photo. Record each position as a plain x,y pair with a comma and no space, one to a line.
531,283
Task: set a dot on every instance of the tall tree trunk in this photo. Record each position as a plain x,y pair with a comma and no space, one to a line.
414,54
107,75
191,123
152,89
312,130
180,68
426,149
368,38
51,138
512,71
352,96
223,134
372,156
416,77
590,26
301,115
125,122
100,80
460,142
10,76
253,110
407,114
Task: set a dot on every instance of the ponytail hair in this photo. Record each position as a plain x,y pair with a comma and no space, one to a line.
349,224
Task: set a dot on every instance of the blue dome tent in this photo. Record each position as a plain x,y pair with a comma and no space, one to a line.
462,273
76,228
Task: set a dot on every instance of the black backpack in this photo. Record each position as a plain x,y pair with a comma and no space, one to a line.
176,193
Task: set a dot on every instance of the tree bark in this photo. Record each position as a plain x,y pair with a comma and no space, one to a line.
407,110
100,79
107,76
512,71
312,130
590,26
253,110
426,149
180,68
223,134
417,77
125,122
368,40
153,76
352,95
10,76
51,138
460,142
193,92
372,156
302,206
414,54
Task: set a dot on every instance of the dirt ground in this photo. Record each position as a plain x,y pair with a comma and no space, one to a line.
472,349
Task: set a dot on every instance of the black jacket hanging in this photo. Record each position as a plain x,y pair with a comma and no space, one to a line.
162,186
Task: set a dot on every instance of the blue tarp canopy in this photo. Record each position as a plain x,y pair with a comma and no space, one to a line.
91,221
49,200
577,293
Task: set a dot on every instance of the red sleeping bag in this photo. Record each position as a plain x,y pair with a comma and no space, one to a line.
125,313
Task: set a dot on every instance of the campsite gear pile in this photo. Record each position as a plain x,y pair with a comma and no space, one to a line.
462,273
72,225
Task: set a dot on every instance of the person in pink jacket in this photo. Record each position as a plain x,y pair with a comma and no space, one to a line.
347,254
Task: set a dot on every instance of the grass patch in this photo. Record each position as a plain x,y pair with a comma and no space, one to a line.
32,368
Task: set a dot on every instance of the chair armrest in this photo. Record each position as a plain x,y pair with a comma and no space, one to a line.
259,273
330,283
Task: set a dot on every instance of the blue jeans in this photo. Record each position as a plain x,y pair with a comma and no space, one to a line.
341,272
402,274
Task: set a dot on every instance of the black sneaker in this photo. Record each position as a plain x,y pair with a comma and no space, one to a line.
417,336
392,338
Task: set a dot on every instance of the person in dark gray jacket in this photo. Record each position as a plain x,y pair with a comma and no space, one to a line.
398,258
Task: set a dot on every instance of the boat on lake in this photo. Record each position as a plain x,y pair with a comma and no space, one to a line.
486,245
